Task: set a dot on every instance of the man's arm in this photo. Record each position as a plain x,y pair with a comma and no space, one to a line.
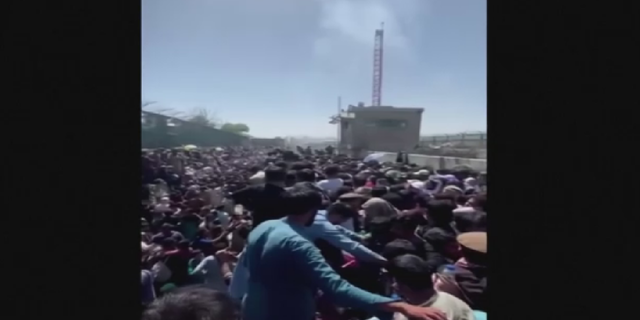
319,274
200,267
243,196
325,230
352,235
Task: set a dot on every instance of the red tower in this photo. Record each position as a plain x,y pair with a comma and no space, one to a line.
377,67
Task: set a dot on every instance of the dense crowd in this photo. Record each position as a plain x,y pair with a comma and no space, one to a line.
268,234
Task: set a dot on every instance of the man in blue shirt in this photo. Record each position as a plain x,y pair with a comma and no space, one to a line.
286,271
324,227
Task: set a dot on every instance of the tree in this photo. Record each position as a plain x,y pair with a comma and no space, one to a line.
239,128
145,104
203,117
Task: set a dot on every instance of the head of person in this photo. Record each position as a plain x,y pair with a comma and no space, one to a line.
403,226
478,201
443,242
193,303
359,181
275,175
383,182
364,191
282,165
399,247
290,178
378,207
300,166
473,247
379,191
332,171
440,212
338,213
453,189
408,199
411,277
468,219
302,204
352,199
305,175
422,175
243,232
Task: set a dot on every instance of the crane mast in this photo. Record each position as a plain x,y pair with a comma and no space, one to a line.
377,66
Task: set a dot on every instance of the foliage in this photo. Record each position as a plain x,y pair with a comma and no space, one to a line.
145,104
238,128
203,117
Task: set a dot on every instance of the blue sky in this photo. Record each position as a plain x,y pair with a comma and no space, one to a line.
279,65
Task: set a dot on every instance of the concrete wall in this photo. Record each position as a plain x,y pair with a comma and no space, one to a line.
363,132
473,140
439,162
268,142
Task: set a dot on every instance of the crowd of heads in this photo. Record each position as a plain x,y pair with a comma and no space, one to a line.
204,202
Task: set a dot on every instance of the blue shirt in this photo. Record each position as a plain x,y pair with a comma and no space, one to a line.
285,272
239,279
340,238
321,228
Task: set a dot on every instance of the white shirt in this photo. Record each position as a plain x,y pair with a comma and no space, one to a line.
213,277
331,185
454,308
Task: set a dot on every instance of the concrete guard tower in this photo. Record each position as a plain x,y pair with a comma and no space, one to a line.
382,128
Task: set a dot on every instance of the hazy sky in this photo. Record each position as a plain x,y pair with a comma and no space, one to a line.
279,65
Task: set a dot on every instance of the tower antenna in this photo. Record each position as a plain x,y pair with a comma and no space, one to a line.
376,95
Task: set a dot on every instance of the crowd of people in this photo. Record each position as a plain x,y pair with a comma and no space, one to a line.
268,234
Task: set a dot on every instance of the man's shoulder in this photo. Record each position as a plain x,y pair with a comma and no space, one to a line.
268,187
399,316
266,227
452,306
277,231
447,298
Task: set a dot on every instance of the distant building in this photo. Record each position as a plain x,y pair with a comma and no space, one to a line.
389,129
